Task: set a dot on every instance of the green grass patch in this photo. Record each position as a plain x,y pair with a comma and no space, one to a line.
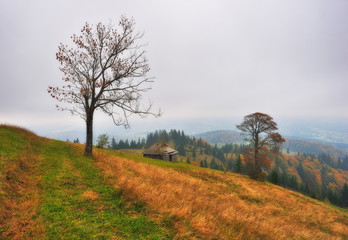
11,145
11,142
250,199
77,204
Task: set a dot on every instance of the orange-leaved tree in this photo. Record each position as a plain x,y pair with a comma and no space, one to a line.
106,70
259,131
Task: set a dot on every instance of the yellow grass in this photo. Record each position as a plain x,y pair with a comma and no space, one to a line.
209,204
19,192
90,195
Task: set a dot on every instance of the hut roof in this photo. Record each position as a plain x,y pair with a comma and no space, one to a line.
160,149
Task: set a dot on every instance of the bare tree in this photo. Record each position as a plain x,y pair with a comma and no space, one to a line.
259,130
106,70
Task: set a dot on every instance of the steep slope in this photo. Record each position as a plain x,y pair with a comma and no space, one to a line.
124,196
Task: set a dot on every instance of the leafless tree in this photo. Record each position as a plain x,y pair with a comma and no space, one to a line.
259,130
106,70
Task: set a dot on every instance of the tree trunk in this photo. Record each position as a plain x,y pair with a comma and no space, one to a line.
256,154
89,134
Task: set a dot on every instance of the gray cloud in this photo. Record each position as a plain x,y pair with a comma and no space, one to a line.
210,58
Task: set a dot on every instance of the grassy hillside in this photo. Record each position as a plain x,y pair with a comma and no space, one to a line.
49,190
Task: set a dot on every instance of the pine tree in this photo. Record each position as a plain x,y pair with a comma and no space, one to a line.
113,143
181,149
213,164
194,152
229,164
332,196
238,166
273,177
344,195
205,163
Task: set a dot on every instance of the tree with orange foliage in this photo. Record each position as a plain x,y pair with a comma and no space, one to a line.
105,71
259,130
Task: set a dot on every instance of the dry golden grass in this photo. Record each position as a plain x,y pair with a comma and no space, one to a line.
19,198
223,205
90,195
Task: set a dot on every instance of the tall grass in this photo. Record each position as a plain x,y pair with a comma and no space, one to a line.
210,204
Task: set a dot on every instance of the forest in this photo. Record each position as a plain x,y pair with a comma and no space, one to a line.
321,176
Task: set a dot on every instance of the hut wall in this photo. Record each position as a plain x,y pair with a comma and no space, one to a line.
154,156
170,157
175,157
166,157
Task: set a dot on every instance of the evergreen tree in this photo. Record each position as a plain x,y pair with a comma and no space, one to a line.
238,166
205,163
113,143
126,144
306,189
292,182
273,177
133,144
332,196
229,164
181,149
213,164
283,179
194,152
344,195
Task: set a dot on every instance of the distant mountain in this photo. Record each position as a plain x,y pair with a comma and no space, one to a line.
335,144
310,147
294,145
221,136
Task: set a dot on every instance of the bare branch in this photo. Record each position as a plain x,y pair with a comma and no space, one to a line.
105,70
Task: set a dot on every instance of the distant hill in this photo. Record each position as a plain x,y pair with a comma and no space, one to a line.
49,190
294,145
310,147
221,136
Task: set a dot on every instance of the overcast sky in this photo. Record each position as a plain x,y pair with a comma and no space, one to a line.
211,59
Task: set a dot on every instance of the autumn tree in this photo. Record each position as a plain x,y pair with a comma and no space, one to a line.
105,70
259,131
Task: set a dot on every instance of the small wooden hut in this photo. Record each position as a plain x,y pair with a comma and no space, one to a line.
161,151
